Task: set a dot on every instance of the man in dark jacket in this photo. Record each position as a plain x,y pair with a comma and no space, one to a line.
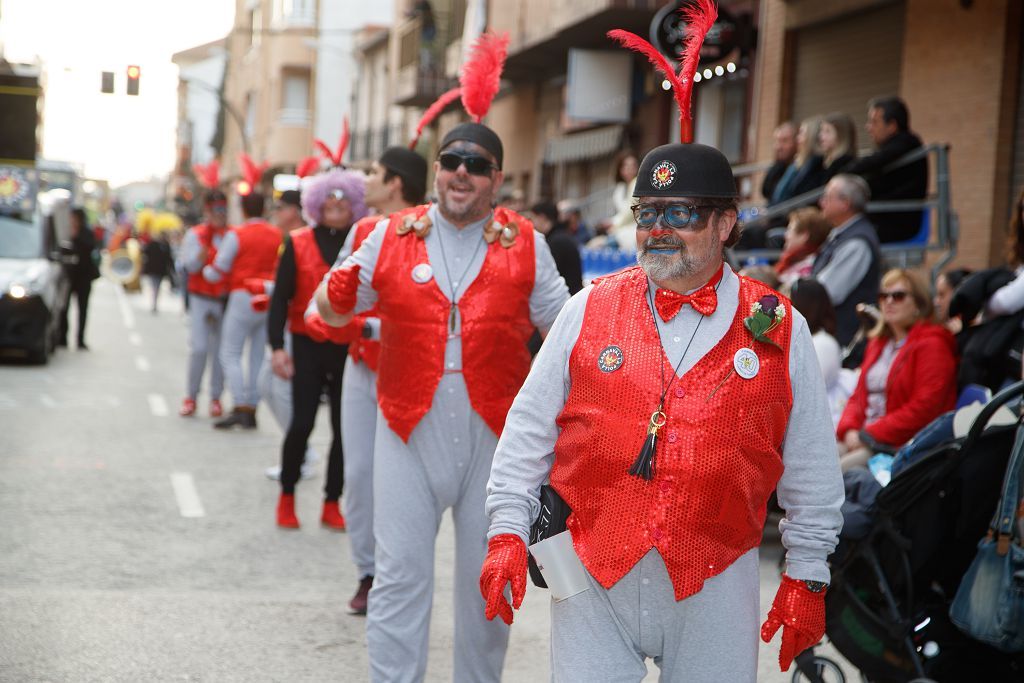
784,149
889,128
562,245
81,271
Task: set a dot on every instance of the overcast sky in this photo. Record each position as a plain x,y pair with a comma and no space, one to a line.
117,137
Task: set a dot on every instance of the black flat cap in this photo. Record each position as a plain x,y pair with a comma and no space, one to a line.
479,134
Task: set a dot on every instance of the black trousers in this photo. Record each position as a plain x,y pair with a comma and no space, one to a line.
81,291
318,366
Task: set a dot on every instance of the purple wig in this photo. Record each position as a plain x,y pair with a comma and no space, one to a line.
316,189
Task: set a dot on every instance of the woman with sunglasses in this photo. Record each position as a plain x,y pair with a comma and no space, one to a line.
908,377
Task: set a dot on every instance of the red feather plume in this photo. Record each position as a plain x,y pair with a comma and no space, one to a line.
252,173
336,157
433,111
307,166
481,74
634,42
208,175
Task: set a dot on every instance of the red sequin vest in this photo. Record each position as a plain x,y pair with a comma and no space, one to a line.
495,314
310,269
362,349
259,244
718,457
197,284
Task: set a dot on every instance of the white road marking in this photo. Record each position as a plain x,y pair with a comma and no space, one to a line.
127,316
158,405
47,400
186,495
142,363
135,338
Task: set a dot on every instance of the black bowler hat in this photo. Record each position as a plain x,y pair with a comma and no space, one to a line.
685,171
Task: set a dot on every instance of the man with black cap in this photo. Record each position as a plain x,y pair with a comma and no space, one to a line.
459,288
396,182
666,404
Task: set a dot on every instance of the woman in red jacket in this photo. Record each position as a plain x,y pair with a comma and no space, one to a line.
908,377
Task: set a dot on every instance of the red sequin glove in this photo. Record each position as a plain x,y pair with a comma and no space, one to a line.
259,302
255,285
505,563
341,289
801,612
319,331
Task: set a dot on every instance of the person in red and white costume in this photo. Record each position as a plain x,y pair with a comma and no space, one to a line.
206,302
248,252
459,288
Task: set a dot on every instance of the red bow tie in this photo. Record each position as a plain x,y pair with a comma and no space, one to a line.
704,300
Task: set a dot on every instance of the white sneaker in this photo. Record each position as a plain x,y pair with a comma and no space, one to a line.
274,473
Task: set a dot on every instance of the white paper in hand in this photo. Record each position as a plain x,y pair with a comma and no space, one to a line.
561,567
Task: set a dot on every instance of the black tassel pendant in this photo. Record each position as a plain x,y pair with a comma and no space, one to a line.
643,466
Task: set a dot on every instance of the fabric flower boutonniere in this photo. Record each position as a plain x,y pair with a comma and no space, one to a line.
505,234
766,314
417,224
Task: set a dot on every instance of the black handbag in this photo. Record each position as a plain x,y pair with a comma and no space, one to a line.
554,512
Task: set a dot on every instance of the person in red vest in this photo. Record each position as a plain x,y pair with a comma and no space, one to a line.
459,288
396,181
248,251
331,202
206,302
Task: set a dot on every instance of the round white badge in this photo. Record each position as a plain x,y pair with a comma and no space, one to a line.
746,363
422,273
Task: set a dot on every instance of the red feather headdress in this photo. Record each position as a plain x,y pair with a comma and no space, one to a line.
307,166
700,16
252,173
432,113
481,74
335,157
208,175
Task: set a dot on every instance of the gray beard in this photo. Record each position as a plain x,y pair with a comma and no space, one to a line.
472,212
660,267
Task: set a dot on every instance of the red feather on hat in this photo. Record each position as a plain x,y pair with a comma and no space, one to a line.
336,157
699,17
433,111
307,166
208,175
481,74
252,173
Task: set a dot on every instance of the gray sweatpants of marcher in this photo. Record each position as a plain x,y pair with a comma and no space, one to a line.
358,424
205,317
709,637
241,324
445,465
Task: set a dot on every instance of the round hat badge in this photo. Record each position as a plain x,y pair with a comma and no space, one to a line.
422,273
610,359
663,174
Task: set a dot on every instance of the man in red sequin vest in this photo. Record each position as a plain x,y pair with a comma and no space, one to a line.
459,288
667,404
206,302
248,251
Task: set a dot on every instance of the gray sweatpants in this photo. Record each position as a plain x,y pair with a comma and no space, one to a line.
446,464
358,424
242,324
205,316
709,637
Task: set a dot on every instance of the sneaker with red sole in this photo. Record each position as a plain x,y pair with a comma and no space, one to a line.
331,516
286,518
188,407
216,409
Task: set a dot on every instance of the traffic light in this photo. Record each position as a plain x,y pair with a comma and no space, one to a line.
107,83
133,79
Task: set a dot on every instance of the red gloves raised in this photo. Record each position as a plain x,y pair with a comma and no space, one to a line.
319,331
802,614
255,285
259,302
341,289
505,563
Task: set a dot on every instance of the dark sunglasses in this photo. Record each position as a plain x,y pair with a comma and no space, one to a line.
218,208
475,164
676,216
896,296
336,194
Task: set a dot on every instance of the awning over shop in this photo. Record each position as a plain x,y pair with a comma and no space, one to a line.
591,144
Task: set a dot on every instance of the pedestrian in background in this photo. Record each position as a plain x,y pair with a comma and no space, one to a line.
157,264
81,270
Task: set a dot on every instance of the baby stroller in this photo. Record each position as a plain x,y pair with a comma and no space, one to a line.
893,582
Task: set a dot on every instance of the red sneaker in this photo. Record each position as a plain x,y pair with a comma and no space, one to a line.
286,512
331,517
188,407
216,409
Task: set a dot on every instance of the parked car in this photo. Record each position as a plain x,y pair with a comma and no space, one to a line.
33,286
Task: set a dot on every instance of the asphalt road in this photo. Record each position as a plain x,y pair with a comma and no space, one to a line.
140,546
